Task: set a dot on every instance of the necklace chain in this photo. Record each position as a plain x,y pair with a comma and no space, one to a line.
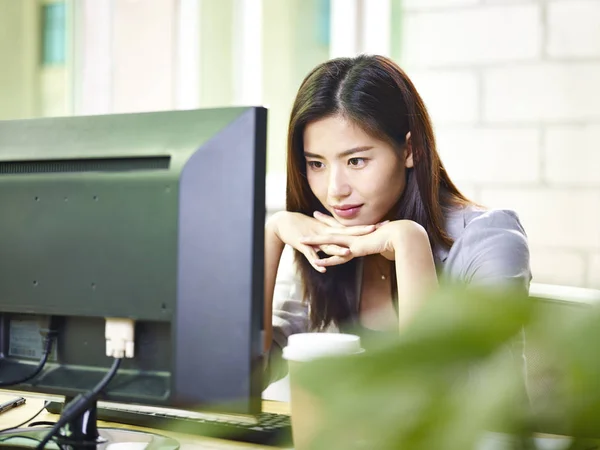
382,273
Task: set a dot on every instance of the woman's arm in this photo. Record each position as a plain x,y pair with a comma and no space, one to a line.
403,241
286,312
273,250
288,228
415,268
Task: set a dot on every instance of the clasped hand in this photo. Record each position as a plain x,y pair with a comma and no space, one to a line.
340,243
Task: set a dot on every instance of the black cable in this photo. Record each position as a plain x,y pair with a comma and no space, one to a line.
80,404
36,371
40,423
18,436
22,424
49,342
26,422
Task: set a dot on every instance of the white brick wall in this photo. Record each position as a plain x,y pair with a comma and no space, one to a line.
572,264
466,36
555,218
566,40
513,88
419,5
501,155
572,155
552,92
451,96
506,2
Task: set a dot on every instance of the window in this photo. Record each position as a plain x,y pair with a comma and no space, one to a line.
54,33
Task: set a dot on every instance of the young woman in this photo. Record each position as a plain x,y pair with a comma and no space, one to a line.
372,216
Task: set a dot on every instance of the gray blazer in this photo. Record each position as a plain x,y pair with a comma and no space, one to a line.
490,248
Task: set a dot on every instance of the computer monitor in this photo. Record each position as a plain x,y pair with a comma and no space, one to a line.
157,217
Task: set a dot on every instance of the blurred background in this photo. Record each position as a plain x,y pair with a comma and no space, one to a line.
513,86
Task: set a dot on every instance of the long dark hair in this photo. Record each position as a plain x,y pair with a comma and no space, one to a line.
374,93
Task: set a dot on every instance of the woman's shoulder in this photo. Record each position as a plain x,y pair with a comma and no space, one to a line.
476,217
487,242
466,221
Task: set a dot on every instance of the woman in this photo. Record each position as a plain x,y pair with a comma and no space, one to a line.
372,215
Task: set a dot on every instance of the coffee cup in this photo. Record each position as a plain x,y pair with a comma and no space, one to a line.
305,407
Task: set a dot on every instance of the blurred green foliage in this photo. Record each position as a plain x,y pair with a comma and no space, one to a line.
473,365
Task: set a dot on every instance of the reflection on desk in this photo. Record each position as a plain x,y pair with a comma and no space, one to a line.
35,403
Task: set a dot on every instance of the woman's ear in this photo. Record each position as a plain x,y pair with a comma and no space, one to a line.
408,153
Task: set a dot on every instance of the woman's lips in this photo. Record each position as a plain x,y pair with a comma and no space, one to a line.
347,211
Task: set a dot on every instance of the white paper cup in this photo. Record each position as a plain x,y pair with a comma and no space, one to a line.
304,407
309,346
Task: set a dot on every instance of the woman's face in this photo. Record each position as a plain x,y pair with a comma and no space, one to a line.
357,178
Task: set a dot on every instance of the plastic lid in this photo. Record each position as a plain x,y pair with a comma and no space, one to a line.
308,346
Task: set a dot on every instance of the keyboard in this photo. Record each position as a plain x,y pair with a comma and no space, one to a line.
264,429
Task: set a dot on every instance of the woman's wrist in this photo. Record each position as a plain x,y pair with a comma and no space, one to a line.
272,226
405,236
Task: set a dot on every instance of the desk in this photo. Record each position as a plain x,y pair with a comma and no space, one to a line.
187,442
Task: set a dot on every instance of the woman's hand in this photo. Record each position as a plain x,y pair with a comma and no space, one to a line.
384,240
291,228
404,241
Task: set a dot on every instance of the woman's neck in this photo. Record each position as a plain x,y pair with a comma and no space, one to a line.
376,302
377,267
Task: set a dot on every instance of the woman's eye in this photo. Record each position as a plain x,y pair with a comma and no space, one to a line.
356,162
315,164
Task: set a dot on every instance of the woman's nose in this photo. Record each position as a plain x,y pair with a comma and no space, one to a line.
338,185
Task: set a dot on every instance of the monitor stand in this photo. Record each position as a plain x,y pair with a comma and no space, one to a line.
83,434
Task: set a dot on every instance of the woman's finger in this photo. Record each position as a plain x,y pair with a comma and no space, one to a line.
311,256
357,230
327,220
327,239
333,261
334,250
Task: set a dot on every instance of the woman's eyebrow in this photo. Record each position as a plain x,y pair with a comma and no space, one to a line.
348,152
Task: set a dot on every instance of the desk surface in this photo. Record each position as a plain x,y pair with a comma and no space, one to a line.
186,441
35,403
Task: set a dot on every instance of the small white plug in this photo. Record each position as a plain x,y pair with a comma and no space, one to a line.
119,337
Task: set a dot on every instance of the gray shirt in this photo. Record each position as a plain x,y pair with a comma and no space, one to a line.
490,248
